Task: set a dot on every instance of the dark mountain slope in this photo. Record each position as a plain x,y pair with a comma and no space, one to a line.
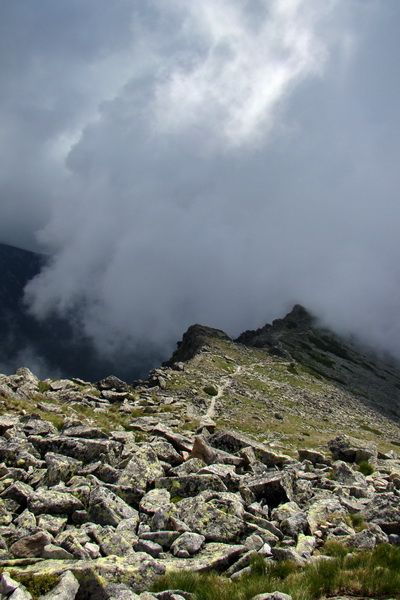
52,347
299,336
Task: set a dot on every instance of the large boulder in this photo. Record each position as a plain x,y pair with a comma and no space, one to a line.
106,508
218,517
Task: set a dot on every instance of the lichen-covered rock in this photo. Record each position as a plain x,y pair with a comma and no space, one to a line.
105,508
137,571
273,488
45,501
60,468
187,544
142,469
233,441
214,519
352,450
321,510
111,541
31,546
52,523
153,500
213,556
190,485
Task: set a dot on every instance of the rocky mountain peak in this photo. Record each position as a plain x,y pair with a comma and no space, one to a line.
196,339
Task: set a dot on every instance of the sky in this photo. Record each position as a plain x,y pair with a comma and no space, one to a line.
207,162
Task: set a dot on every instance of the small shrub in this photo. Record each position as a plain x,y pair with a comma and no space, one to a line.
357,521
210,390
365,467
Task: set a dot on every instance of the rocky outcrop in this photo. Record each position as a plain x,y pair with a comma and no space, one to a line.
107,511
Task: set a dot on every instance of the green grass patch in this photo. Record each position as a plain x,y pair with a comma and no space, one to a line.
44,386
37,585
371,429
368,574
365,467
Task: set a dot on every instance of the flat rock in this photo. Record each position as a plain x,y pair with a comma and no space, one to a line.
137,571
190,485
213,556
45,501
106,508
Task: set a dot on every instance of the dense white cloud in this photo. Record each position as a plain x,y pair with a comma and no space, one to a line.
205,162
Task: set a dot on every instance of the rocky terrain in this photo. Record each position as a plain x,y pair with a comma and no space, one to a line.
269,446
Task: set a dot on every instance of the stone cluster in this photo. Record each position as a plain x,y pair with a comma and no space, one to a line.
109,513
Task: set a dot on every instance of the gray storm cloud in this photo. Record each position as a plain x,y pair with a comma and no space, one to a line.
207,162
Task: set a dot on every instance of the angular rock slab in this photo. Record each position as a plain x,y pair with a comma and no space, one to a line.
106,508
274,487
211,519
190,485
137,570
213,556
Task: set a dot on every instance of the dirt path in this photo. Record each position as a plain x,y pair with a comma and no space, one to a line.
227,381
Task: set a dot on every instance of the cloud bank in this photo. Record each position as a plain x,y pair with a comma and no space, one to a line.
210,162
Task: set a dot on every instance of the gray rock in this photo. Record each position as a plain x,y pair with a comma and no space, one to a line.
7,584
105,508
119,591
82,449
51,551
35,425
141,470
190,485
165,451
60,467
153,500
204,451
179,441
213,518
19,492
233,442
313,456
187,544
273,488
190,466
21,593
112,383
343,473
288,554
351,449
163,538
149,547
50,502
31,546
384,510
84,431
295,525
